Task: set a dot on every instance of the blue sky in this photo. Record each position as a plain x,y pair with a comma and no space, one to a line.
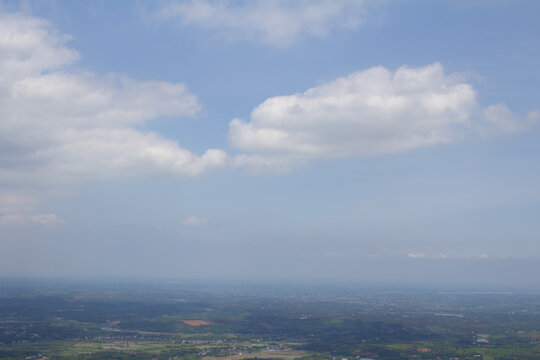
311,140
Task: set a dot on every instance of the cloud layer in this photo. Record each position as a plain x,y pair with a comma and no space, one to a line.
22,219
368,112
60,125
275,22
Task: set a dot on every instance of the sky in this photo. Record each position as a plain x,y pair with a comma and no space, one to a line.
315,140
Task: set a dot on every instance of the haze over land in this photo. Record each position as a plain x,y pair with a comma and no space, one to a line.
355,141
231,320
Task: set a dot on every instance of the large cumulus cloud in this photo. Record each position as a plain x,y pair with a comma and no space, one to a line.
62,125
369,112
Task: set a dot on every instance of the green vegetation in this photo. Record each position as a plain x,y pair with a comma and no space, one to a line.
207,321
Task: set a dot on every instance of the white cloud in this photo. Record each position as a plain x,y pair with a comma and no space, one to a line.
16,219
16,208
275,22
22,219
46,219
417,255
368,112
194,221
29,45
61,125
13,202
498,119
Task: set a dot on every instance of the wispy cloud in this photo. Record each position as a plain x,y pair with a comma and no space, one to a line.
422,255
23,219
194,221
14,202
498,119
274,22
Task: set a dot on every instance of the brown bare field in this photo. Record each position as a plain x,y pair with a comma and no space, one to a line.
197,322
